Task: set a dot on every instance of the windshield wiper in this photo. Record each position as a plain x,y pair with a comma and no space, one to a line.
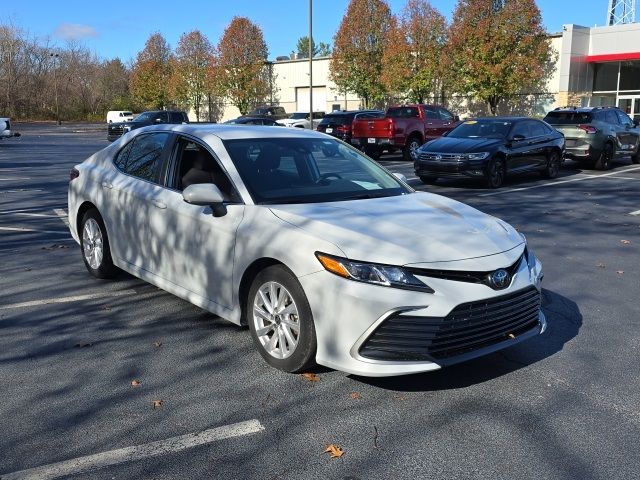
362,196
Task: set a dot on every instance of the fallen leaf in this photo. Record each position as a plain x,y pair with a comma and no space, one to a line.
106,307
601,265
312,377
399,397
540,230
157,344
620,272
135,383
334,451
375,437
157,404
355,395
625,242
83,344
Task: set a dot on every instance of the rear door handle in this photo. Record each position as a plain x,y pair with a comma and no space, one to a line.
107,185
159,204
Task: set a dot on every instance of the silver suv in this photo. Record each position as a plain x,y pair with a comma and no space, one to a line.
594,136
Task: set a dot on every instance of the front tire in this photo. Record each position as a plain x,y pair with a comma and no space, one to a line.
94,243
427,180
496,172
280,320
410,151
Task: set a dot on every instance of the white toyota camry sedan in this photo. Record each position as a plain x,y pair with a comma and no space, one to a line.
325,255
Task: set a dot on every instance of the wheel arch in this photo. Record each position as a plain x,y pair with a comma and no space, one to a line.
247,278
84,208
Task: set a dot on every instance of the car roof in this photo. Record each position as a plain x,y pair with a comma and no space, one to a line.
584,109
237,131
504,119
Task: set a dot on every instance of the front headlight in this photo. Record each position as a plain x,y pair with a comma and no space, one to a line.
478,156
535,267
126,128
385,275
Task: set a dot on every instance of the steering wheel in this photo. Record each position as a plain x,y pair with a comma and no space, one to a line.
326,176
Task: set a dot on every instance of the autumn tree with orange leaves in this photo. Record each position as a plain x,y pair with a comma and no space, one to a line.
413,61
498,49
149,83
359,43
242,71
190,67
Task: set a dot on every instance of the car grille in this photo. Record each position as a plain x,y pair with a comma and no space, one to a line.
470,327
116,130
465,276
441,157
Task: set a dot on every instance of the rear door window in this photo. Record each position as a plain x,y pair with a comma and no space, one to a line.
537,129
403,112
611,117
142,157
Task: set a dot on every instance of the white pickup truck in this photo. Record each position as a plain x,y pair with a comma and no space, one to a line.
5,129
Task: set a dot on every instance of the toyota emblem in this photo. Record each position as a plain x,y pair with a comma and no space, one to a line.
499,279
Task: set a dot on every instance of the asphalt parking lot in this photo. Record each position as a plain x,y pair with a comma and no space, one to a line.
565,404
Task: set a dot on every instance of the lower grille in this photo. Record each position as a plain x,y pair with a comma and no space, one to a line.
470,327
116,131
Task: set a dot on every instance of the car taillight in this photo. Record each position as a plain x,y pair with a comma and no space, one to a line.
390,124
73,174
343,129
588,128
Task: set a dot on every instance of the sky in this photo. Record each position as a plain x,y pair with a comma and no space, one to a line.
120,29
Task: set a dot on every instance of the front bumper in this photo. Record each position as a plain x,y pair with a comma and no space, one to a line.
348,314
450,169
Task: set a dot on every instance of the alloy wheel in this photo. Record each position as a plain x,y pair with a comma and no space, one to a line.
92,243
276,320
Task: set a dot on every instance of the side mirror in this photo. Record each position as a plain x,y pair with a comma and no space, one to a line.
518,138
456,118
206,195
636,122
400,177
158,120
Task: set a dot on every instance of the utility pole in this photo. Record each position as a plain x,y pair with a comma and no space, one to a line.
56,59
310,65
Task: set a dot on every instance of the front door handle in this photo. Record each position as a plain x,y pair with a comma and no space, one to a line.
107,185
160,204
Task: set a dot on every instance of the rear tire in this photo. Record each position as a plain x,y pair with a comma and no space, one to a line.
281,327
636,158
94,242
373,152
496,172
606,156
553,165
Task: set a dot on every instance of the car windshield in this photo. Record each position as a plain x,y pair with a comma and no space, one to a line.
308,170
299,116
484,128
568,118
145,117
127,114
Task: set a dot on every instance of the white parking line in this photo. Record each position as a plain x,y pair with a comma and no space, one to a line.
128,454
27,214
62,214
637,212
75,298
26,230
552,184
14,178
22,190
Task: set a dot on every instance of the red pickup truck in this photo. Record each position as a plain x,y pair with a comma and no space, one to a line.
406,127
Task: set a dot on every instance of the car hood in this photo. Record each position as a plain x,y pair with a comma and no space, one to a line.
409,229
461,145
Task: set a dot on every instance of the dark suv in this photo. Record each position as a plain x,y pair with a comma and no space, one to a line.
276,113
594,136
116,130
338,124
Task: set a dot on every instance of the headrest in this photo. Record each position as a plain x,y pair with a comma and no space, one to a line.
268,159
201,160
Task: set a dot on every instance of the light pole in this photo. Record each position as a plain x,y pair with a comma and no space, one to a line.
310,65
56,57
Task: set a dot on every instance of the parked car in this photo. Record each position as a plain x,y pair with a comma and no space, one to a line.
405,127
325,258
276,113
116,130
5,129
119,116
253,120
492,148
339,124
301,120
594,136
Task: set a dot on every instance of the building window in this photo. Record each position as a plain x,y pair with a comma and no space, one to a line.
606,77
630,76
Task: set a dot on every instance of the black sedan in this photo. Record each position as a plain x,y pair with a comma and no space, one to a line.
491,149
253,120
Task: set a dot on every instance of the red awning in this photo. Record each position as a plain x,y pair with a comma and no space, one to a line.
613,57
